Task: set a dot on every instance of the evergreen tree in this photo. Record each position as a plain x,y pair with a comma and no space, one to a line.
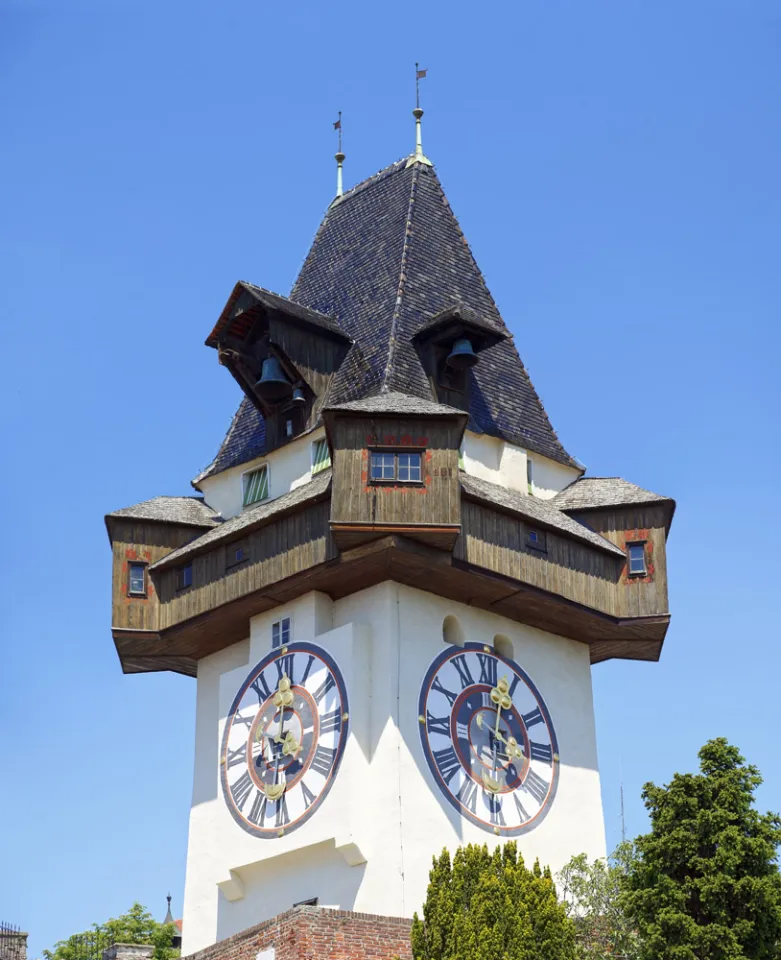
705,884
485,906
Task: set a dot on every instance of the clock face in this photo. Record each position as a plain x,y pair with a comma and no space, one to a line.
488,739
284,740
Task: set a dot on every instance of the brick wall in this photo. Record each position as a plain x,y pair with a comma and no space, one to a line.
312,933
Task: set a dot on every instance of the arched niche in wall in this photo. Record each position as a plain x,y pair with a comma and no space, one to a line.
503,646
452,631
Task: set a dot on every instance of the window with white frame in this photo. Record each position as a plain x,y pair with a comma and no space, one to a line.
280,632
636,559
321,455
136,579
398,467
255,485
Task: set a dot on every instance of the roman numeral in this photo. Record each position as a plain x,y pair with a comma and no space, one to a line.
257,814
520,808
282,818
438,724
467,795
462,731
331,721
447,763
237,718
531,718
328,684
260,687
309,797
323,760
488,669
241,789
513,685
541,751
495,810
462,666
239,755
437,685
306,670
284,666
536,786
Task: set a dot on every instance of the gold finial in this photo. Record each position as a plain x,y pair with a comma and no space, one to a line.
417,113
339,157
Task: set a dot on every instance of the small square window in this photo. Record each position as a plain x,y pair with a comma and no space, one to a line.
136,579
236,553
636,554
321,456
537,540
255,486
280,632
409,467
383,466
184,576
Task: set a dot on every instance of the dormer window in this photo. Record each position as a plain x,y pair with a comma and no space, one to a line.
255,485
396,467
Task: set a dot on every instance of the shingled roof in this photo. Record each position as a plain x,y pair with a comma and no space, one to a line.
191,511
591,493
389,256
541,512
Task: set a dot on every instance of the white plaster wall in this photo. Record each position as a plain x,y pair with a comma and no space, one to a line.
369,847
549,477
503,463
289,467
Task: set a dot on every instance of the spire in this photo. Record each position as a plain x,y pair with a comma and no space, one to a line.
339,157
169,917
417,113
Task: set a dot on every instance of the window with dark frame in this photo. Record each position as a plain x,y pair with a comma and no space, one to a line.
236,553
636,566
396,466
136,579
184,576
280,632
536,539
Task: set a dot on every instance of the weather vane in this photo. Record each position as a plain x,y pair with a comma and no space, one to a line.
339,156
417,113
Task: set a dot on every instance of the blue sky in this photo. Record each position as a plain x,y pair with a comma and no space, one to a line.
614,166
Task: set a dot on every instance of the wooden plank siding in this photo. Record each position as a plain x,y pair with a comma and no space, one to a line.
293,543
136,541
496,541
435,502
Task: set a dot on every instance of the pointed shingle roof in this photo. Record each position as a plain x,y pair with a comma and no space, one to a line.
388,257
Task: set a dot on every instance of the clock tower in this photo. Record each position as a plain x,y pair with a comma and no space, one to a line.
392,586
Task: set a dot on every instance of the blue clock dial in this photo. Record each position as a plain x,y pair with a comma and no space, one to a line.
488,739
284,739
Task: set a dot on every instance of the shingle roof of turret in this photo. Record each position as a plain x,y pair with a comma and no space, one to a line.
388,257
591,493
191,511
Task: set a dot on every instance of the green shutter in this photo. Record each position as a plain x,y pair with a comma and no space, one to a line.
461,459
321,457
256,486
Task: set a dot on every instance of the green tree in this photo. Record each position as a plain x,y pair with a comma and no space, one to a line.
705,884
135,926
592,896
485,906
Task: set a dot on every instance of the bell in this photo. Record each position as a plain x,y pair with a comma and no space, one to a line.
298,397
273,385
462,356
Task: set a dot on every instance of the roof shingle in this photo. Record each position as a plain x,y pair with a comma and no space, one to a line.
191,511
591,493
